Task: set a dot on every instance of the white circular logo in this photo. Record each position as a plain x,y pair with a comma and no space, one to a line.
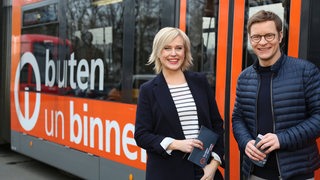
26,122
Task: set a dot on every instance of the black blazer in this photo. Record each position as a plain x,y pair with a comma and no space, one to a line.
157,118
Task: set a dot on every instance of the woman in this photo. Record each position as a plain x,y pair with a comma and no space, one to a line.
171,108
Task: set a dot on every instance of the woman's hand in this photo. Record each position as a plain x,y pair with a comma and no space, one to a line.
186,145
210,170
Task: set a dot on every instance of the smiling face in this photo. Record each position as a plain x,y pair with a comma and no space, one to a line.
267,51
172,55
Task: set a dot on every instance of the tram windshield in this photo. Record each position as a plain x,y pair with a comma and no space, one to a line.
276,6
98,56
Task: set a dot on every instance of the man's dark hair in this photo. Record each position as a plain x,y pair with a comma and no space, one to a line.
263,16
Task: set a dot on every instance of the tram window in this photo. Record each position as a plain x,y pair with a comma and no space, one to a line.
40,20
202,31
39,33
147,24
41,15
277,6
39,53
314,37
90,36
95,29
45,50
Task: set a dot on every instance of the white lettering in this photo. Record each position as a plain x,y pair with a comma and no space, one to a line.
26,122
96,122
72,63
143,155
128,128
115,126
62,81
85,126
75,118
55,116
84,75
80,130
94,64
50,65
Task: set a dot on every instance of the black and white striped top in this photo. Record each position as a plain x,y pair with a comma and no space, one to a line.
186,108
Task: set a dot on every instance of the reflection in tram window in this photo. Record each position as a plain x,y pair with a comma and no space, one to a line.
202,30
44,14
148,23
137,80
277,6
45,50
96,33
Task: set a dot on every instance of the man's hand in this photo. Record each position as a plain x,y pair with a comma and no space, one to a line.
269,143
253,152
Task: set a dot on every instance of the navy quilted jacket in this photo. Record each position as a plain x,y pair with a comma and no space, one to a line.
295,94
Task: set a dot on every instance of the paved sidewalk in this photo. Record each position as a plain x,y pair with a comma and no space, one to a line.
15,166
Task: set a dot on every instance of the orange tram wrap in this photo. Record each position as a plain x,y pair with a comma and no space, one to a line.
71,72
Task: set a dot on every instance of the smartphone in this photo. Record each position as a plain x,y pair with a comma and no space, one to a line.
262,162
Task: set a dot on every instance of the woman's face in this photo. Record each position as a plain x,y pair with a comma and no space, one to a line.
173,55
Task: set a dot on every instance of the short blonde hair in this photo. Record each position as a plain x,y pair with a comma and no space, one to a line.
164,37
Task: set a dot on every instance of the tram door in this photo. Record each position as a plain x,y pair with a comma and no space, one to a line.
4,71
310,37
1,64
242,56
297,42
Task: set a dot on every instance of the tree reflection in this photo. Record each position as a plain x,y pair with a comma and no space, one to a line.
147,14
105,23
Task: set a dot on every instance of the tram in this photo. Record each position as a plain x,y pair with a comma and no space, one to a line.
71,71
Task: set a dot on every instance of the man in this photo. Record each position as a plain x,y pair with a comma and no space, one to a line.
279,98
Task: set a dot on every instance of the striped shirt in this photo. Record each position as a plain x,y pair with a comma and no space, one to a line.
186,109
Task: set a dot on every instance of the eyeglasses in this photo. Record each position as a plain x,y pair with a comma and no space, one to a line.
257,38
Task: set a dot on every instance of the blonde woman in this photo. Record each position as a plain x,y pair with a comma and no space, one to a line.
171,108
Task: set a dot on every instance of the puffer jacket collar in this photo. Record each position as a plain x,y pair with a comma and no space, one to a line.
274,68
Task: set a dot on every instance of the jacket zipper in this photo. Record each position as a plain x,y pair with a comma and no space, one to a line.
257,95
256,110
274,123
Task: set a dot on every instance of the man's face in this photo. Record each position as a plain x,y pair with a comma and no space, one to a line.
265,41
